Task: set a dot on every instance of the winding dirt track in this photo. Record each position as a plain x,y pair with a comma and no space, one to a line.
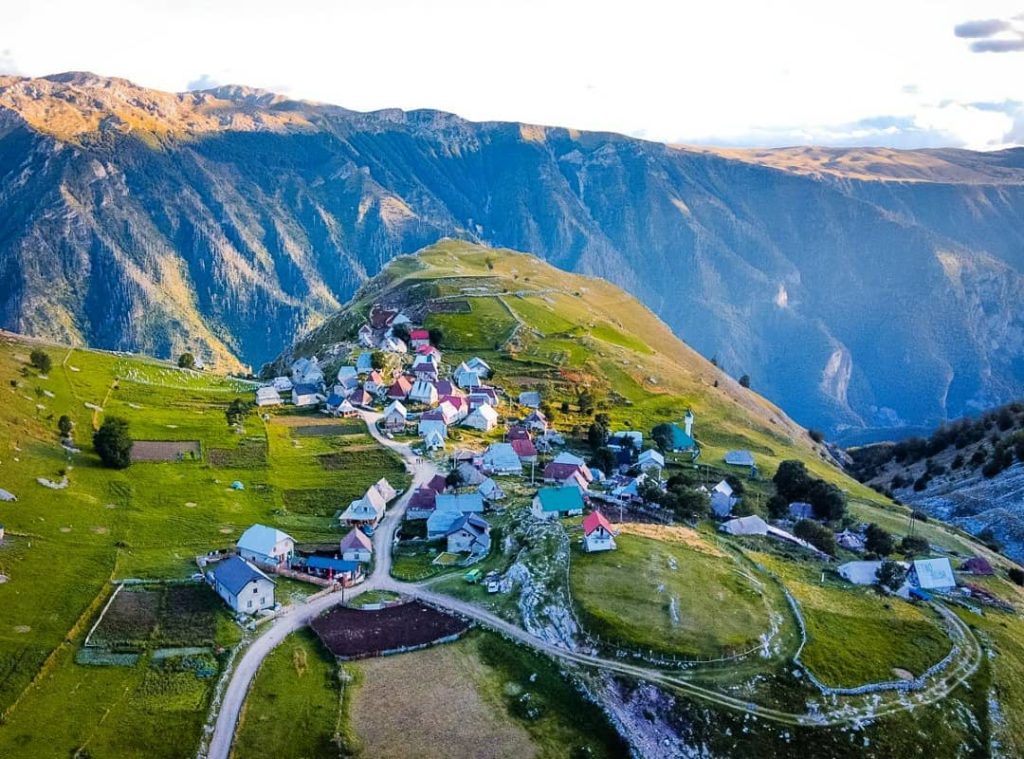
856,709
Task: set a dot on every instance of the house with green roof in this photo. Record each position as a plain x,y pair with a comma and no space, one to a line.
555,503
681,441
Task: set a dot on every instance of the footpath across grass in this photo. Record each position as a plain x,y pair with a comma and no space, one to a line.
854,635
691,600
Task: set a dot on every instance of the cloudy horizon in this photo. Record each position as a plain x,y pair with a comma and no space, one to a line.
913,74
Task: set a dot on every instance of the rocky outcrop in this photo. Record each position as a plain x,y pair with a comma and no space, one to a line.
229,220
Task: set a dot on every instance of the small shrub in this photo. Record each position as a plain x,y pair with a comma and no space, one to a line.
113,443
41,361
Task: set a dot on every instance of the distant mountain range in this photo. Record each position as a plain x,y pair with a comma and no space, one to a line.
866,291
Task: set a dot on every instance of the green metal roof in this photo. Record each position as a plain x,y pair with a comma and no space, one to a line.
568,498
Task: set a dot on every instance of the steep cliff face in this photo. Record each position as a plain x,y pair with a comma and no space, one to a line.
859,289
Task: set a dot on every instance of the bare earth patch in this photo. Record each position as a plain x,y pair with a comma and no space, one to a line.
165,450
3,579
434,709
671,534
65,529
226,530
100,530
22,629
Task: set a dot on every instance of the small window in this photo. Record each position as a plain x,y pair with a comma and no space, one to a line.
255,590
250,604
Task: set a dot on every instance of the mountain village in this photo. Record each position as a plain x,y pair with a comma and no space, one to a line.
397,378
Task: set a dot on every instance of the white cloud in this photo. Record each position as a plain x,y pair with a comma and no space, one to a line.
729,71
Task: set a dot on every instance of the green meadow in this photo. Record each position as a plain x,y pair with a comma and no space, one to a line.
64,547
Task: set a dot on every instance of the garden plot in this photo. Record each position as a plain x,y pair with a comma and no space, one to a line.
166,450
334,429
144,618
353,633
250,453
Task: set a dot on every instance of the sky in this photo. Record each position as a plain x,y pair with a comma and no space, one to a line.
899,73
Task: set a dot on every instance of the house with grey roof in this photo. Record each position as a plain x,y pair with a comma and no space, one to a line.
242,586
470,534
265,545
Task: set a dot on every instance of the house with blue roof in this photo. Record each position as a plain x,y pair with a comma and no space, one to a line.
681,440
265,545
345,571
242,586
449,509
470,534
364,364
555,503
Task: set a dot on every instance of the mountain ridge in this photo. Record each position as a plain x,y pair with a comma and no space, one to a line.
227,221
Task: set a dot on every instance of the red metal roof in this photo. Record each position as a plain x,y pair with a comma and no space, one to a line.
524,447
594,520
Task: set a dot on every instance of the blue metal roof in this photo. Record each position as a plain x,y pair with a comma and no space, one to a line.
235,573
337,565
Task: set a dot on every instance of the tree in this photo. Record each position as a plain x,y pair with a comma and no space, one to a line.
236,411
989,539
401,331
816,435
778,507
662,436
890,576
1016,574
686,503
41,361
745,380
791,480
597,435
817,535
436,336
454,479
604,460
828,501
585,400
187,361
650,492
113,443
65,425
878,540
912,545
378,360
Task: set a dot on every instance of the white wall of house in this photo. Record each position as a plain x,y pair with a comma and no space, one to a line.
356,554
255,596
599,540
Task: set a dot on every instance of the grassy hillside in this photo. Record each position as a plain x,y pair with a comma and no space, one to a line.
544,329
63,547
674,592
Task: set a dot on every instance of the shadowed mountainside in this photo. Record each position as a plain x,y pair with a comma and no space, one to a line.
229,220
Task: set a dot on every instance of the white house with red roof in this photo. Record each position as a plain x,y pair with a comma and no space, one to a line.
419,338
598,533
